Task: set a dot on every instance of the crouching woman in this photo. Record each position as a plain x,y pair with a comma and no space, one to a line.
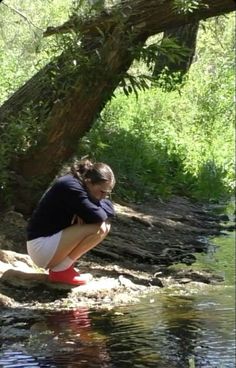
72,217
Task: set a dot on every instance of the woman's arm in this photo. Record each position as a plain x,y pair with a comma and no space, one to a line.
108,207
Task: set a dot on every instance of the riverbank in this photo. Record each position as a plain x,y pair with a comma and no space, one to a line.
137,258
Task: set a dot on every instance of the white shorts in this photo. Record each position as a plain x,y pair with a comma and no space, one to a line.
41,250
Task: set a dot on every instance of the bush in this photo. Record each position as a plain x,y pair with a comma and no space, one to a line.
165,143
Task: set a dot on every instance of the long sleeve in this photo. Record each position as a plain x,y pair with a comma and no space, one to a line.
79,203
108,207
67,197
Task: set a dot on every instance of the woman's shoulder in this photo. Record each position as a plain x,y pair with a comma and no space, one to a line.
70,182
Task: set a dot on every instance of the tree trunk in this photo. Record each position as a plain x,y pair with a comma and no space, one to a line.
186,37
66,95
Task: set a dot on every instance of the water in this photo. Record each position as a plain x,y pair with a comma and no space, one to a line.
164,330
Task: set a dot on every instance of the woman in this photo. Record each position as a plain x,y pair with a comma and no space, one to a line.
71,218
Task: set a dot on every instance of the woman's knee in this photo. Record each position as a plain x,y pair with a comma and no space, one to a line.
100,229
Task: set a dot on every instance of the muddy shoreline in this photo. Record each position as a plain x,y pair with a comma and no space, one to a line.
134,260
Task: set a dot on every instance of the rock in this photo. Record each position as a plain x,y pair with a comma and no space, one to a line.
185,280
24,279
14,333
17,260
188,259
156,282
127,283
19,270
5,301
224,218
12,231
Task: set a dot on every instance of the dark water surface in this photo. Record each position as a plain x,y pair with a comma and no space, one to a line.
170,329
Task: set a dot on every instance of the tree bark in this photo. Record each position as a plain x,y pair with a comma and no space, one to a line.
66,95
186,37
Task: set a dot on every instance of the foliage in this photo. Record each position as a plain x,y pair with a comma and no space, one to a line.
147,54
187,6
23,53
163,143
23,49
148,141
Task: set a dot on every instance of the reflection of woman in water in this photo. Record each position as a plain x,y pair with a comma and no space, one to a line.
71,218
72,341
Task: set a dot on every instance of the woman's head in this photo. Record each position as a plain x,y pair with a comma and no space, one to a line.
98,177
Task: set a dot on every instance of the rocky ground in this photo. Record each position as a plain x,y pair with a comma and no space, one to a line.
136,258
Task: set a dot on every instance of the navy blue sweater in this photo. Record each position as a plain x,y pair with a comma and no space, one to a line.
64,199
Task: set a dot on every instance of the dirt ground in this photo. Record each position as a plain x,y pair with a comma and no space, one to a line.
137,258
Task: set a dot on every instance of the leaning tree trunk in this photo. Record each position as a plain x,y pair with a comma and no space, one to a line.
186,37
65,96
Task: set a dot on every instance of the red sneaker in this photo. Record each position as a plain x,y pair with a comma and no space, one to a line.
69,276
73,271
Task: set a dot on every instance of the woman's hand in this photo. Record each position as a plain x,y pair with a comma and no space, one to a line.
77,220
80,221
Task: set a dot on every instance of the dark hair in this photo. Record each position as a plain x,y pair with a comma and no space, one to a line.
97,172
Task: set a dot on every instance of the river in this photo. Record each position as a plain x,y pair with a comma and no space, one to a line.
173,329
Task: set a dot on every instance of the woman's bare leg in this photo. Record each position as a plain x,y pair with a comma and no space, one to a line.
76,240
90,242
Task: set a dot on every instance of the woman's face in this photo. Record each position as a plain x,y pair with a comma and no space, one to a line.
99,191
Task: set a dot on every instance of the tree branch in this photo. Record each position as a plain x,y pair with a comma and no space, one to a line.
159,15
65,96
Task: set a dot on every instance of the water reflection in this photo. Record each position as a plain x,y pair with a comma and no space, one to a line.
62,339
162,331
166,332
172,331
71,340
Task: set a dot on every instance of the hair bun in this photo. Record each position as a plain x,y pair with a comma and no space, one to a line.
84,166
95,172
